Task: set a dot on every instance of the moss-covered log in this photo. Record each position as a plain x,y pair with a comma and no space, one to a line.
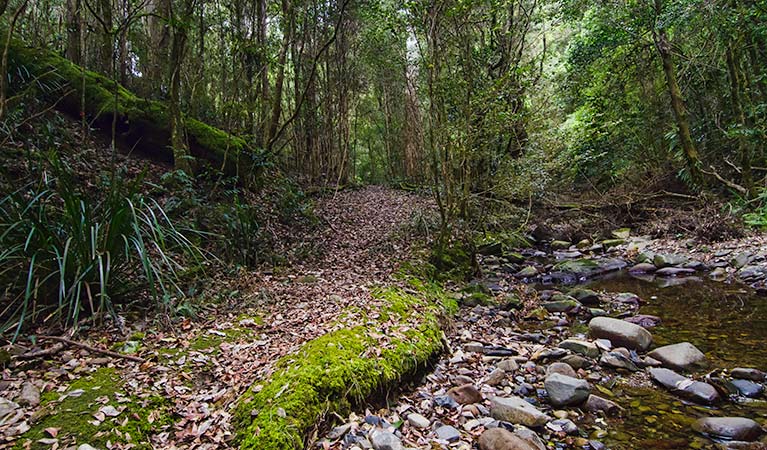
341,368
142,125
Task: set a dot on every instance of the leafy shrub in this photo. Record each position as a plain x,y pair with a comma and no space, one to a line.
64,254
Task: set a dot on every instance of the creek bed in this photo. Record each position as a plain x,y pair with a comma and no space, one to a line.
728,322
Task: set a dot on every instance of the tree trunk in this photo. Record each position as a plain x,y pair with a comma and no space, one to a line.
74,51
159,35
181,158
739,116
663,46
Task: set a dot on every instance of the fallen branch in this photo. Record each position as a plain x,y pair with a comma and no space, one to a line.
732,185
64,341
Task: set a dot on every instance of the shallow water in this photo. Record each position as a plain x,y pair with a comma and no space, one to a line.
728,322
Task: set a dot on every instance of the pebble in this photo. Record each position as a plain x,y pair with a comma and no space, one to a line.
384,440
448,433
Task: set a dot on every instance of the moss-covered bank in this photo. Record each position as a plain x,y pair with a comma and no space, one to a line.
343,367
142,124
74,413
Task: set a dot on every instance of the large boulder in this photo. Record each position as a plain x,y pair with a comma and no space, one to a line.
681,356
564,390
517,410
730,428
620,333
696,391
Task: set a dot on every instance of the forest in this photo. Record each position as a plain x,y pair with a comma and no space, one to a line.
383,224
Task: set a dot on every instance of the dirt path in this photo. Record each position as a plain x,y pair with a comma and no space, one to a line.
202,366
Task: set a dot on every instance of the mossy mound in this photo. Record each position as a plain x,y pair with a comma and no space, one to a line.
333,372
141,124
75,413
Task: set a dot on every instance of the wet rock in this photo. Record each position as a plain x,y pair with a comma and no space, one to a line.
718,274
733,428
576,361
585,296
418,421
747,388
585,348
502,439
748,374
490,248
445,401
30,395
741,260
465,394
583,244
618,360
517,410
448,433
530,436
562,426
561,368
674,272
696,391
527,272
561,303
598,404
644,320
695,265
579,267
620,332
643,268
681,356
559,245
667,260
564,390
628,298
384,440
752,273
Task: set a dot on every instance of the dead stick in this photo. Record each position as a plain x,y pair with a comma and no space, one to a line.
93,349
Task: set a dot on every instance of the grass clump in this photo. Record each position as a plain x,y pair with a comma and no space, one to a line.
64,253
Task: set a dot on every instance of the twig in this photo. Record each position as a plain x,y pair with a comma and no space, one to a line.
66,341
40,353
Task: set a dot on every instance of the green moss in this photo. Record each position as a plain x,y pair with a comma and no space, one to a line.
339,369
73,414
143,123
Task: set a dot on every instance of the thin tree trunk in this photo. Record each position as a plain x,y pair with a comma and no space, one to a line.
744,151
663,46
181,158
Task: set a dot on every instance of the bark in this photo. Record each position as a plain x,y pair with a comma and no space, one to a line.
663,46
181,156
276,110
739,116
74,50
4,61
159,36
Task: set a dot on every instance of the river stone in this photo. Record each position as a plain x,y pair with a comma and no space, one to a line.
508,365
745,373
674,271
644,320
562,425
384,440
618,361
585,348
752,273
7,407
610,243
598,404
620,332
418,421
685,387
741,260
748,388
559,245
527,272
583,244
643,268
561,303
496,377
465,394
517,410
585,296
733,428
448,433
561,368
502,439
666,260
564,390
681,356
718,274
628,298
576,361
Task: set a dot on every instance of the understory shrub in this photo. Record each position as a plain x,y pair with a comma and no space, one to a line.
64,254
